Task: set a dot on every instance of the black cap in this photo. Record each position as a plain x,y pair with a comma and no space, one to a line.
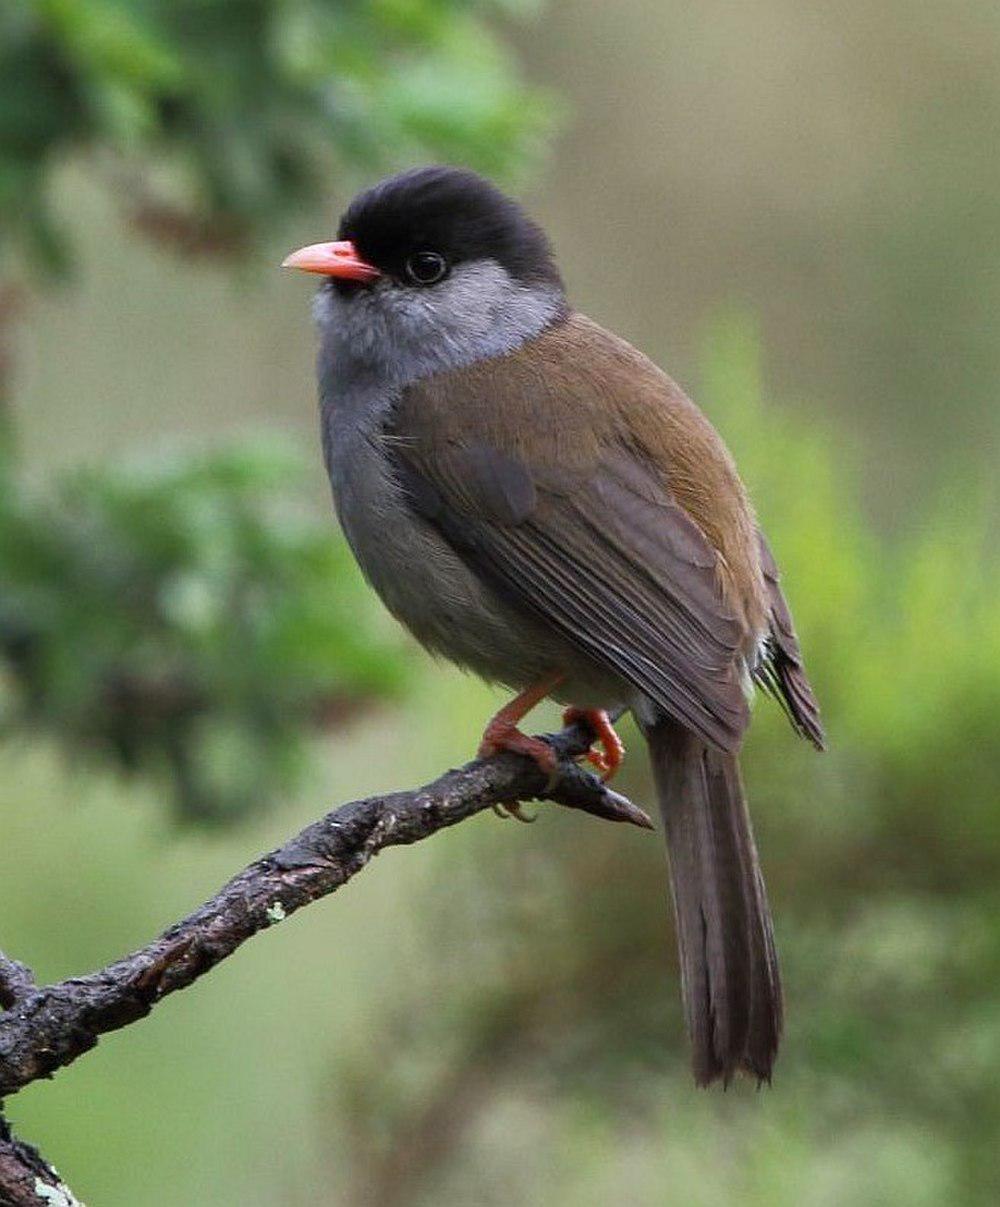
450,211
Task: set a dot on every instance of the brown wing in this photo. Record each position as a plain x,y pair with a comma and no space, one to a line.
599,549
782,672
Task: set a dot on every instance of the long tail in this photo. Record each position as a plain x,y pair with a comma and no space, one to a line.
729,968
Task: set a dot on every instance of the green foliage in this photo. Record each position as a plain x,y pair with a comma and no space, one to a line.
216,116
189,620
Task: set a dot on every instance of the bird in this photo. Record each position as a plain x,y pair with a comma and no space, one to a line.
538,502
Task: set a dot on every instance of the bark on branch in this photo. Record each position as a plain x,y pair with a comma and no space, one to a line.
46,1027
16,981
27,1178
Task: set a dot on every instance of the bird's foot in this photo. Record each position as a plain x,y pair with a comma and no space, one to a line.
607,760
502,734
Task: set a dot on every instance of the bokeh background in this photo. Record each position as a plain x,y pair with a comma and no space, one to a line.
795,208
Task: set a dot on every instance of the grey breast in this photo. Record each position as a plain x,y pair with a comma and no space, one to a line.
421,580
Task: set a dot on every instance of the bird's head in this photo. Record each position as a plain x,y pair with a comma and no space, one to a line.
433,268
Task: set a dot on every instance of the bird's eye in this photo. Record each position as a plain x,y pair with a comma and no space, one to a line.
426,267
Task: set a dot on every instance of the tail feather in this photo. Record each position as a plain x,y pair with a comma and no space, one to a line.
729,969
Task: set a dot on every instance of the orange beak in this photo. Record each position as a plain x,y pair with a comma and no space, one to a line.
339,259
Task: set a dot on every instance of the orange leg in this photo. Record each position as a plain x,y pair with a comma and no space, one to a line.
609,760
502,732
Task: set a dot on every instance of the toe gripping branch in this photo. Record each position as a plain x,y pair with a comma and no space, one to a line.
567,783
608,760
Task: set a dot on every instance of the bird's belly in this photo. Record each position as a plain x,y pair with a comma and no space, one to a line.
426,586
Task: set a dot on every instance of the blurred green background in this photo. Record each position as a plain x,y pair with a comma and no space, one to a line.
793,208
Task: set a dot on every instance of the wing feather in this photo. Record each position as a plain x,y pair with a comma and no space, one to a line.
611,562
781,672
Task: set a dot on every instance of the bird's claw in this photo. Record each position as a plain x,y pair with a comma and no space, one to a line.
516,810
607,760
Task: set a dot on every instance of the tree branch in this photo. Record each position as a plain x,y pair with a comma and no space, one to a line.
16,981
27,1178
48,1027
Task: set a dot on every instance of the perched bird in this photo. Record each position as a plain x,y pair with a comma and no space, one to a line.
535,500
